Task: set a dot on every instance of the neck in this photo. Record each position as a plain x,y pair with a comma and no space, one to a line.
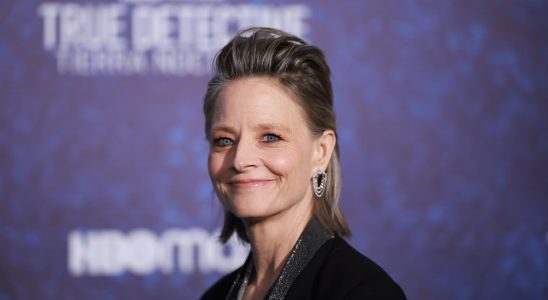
272,239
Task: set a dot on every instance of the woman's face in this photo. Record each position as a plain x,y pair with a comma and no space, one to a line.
262,154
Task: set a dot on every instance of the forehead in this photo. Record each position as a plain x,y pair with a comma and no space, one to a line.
258,100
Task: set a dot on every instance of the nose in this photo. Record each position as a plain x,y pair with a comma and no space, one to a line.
244,155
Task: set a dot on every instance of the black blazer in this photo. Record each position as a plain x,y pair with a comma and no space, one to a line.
337,271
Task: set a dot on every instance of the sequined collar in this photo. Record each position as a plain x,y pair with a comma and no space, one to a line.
312,238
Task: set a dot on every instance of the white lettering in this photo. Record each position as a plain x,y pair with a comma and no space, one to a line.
153,37
141,252
95,253
49,12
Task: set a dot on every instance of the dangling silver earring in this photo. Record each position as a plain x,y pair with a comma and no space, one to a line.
319,183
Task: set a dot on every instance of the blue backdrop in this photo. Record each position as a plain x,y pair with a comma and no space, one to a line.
443,129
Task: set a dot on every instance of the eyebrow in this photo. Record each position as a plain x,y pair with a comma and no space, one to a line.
272,126
222,128
264,126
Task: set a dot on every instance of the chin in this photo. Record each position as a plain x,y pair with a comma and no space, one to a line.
250,209
250,212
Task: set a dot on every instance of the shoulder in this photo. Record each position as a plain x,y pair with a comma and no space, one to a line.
363,276
220,289
344,259
339,271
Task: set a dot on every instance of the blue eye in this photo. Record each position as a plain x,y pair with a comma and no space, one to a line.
222,142
269,138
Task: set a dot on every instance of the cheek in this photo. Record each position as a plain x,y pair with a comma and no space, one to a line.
214,165
288,164
279,164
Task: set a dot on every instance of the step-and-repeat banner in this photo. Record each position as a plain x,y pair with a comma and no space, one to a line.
442,115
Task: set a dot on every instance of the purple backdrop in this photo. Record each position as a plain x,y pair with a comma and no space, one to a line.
443,129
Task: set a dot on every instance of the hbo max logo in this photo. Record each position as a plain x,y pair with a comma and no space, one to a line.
141,251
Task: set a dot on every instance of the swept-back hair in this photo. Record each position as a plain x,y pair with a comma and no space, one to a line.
300,68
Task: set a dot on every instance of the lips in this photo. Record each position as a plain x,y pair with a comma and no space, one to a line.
249,183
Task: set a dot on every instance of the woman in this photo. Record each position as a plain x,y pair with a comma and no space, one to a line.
273,161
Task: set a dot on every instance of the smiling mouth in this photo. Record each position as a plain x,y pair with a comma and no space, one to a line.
243,184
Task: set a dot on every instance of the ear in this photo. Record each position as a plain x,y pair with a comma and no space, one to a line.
323,149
